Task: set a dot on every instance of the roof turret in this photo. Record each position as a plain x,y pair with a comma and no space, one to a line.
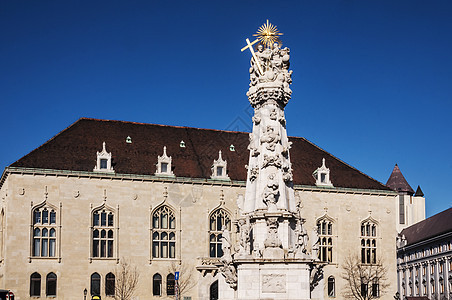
419,192
398,183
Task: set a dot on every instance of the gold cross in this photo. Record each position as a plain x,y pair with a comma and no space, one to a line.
254,54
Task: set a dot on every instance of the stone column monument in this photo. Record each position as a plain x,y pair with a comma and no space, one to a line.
270,260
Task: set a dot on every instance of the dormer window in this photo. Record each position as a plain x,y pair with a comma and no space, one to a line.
219,168
103,161
164,164
322,175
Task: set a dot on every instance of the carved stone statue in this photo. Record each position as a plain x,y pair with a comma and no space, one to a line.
244,231
315,243
226,245
271,191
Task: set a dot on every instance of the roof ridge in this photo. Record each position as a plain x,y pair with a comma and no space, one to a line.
162,125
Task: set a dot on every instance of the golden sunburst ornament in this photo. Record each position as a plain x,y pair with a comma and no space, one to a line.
268,34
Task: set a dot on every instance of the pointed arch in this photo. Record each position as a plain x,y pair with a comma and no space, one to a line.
325,229
157,284
95,284
110,282
219,218
368,232
213,290
163,224
104,231
51,285
44,232
35,285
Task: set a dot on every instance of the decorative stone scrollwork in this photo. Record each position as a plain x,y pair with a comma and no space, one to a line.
273,114
256,119
271,160
271,137
254,172
274,283
287,173
252,146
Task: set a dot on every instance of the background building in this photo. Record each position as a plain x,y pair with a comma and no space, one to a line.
411,208
424,258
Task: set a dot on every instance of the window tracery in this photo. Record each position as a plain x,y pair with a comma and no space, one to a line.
368,242
44,231
325,230
218,219
163,233
103,233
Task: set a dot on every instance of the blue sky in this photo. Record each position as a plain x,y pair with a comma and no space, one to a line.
372,81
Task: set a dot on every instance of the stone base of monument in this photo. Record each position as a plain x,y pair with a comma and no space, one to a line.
273,279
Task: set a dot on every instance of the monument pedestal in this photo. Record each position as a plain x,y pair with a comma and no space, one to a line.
273,279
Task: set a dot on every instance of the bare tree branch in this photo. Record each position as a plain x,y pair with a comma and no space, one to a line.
186,276
126,280
364,281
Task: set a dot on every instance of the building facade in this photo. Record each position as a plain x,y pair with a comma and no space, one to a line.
424,258
159,197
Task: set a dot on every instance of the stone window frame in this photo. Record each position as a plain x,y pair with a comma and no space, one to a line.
46,205
49,279
157,279
368,240
158,231
215,232
35,279
327,238
170,285
91,285
110,283
331,290
115,228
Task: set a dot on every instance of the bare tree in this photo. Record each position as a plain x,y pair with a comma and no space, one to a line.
126,280
364,281
186,276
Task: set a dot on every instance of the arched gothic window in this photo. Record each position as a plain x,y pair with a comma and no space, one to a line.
368,242
213,291
51,285
110,284
331,287
44,232
163,233
218,219
157,284
103,233
325,230
35,285
170,283
95,284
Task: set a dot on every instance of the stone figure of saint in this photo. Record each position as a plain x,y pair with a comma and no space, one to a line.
315,243
244,227
226,244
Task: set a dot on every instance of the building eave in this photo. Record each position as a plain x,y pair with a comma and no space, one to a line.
209,181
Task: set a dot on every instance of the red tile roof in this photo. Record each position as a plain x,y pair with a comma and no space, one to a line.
75,149
398,183
428,228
